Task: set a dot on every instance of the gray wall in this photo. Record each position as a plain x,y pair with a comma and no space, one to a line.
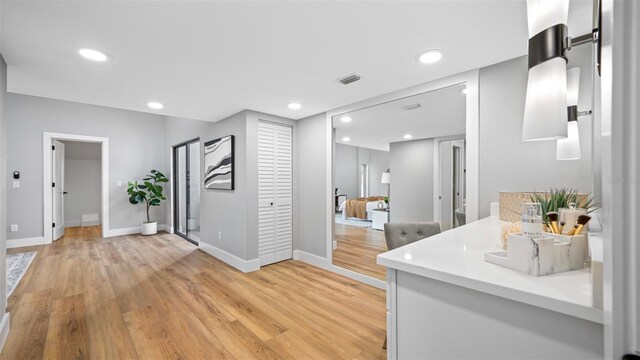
506,162
346,170
82,182
310,199
3,186
347,161
378,163
411,181
136,146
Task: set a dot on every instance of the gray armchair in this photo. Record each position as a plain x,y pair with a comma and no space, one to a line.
400,234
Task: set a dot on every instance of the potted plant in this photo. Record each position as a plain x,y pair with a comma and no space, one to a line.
556,199
149,193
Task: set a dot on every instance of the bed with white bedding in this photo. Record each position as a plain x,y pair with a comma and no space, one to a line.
370,204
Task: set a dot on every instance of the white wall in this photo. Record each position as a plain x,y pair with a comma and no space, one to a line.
411,164
136,147
346,170
506,162
82,182
378,163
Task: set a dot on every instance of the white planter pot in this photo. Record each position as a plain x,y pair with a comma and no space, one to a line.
150,228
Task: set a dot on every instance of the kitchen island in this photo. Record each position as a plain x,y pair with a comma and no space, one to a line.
445,302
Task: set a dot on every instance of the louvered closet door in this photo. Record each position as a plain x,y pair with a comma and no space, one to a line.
275,193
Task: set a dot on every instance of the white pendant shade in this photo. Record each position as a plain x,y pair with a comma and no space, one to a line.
545,109
569,148
573,86
543,14
545,112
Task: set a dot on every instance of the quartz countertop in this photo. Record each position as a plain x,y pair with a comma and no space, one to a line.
457,257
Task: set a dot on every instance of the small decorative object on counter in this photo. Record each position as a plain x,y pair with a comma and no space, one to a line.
532,220
509,228
570,216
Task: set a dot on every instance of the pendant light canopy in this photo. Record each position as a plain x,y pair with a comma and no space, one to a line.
545,113
569,148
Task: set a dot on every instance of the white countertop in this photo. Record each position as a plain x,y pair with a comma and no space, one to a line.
457,257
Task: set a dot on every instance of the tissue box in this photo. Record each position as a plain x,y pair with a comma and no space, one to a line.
542,256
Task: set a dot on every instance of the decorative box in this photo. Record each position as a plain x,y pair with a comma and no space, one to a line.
546,255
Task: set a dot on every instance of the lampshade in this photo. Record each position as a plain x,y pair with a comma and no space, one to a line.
573,86
545,113
543,14
386,178
569,148
545,108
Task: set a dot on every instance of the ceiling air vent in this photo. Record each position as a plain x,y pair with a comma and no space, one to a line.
349,79
412,107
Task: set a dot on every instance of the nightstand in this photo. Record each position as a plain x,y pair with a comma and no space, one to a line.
339,200
380,217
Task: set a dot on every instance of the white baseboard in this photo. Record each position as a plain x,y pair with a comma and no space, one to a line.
377,283
130,230
5,325
240,264
314,260
16,243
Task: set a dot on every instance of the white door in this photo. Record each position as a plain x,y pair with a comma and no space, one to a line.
275,193
57,182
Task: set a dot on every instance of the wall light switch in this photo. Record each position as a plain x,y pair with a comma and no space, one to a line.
119,183
14,227
16,184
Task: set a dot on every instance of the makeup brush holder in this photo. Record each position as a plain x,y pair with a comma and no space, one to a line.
545,255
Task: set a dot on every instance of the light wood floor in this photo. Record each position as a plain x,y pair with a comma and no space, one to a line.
357,250
160,297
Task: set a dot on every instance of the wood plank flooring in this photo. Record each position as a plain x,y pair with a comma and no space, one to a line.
357,250
157,297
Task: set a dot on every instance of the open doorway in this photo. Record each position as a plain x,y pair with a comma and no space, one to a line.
186,185
59,152
77,170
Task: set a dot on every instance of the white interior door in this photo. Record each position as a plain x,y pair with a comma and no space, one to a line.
57,182
275,193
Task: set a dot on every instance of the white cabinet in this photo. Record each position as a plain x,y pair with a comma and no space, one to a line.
380,217
275,192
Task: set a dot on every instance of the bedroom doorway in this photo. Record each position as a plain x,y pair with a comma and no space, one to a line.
186,185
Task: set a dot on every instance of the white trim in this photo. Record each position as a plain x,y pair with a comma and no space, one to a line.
314,260
471,79
5,326
132,230
16,243
47,142
243,265
437,202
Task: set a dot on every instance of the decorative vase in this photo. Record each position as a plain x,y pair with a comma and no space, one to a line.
150,228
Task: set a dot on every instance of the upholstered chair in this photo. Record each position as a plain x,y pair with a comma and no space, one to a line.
461,217
400,234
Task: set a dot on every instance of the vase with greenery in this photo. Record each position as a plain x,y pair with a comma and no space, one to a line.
149,193
556,199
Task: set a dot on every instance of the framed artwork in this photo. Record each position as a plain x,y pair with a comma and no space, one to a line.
219,163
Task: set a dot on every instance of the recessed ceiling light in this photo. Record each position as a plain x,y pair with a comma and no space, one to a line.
407,136
294,106
93,55
346,139
346,119
430,57
155,105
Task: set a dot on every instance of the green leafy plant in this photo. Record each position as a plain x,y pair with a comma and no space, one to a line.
556,199
386,199
149,192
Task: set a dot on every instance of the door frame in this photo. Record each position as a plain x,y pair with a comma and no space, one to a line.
47,143
174,194
437,207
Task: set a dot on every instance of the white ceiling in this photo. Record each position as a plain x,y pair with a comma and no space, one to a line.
442,113
208,60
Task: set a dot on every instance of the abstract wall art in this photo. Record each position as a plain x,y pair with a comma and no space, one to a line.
219,163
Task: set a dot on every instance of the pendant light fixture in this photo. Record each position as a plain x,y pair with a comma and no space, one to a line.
545,112
569,148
